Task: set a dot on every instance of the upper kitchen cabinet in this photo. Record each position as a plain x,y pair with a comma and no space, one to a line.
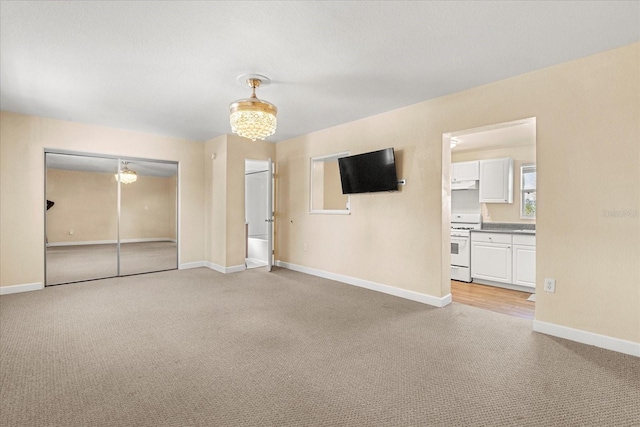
496,180
465,171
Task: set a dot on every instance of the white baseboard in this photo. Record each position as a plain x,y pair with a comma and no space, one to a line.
530,290
386,289
584,337
14,289
111,242
225,270
188,265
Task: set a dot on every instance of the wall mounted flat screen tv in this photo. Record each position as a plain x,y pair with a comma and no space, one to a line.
369,172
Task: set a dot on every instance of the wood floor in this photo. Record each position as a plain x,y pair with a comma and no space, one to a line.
505,301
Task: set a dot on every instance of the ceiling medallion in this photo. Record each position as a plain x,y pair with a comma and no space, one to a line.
251,117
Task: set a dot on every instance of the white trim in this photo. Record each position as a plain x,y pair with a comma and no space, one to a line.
327,212
26,287
107,242
212,266
379,287
521,288
334,156
590,338
235,268
188,265
225,270
257,261
178,207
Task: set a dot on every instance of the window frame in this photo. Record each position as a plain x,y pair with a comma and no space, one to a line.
312,188
524,169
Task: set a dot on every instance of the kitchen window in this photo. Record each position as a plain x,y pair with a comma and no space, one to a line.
528,191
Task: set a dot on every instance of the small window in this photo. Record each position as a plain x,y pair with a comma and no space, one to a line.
528,191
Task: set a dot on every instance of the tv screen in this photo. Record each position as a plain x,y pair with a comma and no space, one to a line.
369,172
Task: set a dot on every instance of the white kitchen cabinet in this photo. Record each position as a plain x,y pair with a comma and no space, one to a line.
524,260
465,171
491,257
496,180
508,258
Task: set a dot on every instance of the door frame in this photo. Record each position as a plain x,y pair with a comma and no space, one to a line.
269,214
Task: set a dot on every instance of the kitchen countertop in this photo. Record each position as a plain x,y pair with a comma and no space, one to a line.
508,228
505,231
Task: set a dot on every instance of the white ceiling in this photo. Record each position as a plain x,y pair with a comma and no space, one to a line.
170,67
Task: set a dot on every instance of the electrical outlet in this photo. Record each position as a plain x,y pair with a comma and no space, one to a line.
550,285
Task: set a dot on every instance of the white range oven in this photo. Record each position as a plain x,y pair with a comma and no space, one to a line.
461,224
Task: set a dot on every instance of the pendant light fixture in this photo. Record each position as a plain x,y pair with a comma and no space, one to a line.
126,176
252,117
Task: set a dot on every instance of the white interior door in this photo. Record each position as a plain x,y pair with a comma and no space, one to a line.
270,216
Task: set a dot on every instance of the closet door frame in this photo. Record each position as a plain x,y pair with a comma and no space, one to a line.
119,159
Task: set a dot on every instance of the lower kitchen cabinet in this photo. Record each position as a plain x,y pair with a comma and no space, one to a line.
524,261
504,258
491,257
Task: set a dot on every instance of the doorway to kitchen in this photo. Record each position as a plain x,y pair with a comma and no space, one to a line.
492,214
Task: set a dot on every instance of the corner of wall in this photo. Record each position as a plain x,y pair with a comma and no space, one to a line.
215,196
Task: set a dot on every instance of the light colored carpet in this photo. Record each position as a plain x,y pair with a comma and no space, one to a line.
66,264
199,348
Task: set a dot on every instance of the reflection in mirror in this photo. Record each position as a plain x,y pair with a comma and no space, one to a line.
81,218
326,189
148,223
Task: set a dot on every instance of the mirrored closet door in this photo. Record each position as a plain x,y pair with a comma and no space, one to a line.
108,217
148,234
81,218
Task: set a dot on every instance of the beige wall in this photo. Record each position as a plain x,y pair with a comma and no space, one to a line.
23,140
215,197
317,185
224,196
327,187
148,208
588,128
502,212
588,158
332,191
389,238
85,204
